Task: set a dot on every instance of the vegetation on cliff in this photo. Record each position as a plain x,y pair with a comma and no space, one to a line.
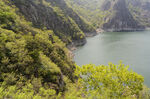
140,11
102,82
35,64
90,10
117,15
121,18
57,16
29,54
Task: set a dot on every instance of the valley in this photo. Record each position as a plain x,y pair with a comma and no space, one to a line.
47,47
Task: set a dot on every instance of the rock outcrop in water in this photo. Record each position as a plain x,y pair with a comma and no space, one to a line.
121,18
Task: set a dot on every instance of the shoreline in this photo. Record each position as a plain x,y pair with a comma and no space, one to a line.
71,47
74,46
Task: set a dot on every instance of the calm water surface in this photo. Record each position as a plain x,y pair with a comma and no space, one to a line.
133,48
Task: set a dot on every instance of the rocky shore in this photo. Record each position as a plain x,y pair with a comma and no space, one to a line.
73,46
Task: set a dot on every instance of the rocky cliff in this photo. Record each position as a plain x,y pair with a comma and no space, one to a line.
56,15
114,15
121,19
85,27
140,9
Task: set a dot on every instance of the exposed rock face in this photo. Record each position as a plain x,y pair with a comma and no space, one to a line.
140,9
106,5
86,28
122,19
56,15
146,13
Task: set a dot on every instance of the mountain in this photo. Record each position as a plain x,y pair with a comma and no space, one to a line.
114,15
31,56
140,10
121,19
57,16
89,10
33,39
35,63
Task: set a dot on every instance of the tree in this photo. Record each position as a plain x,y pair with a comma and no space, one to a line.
113,80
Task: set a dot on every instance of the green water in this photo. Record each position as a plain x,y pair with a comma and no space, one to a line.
133,48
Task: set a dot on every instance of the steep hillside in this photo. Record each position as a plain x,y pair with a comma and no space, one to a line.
114,15
89,10
57,16
121,18
35,63
29,55
85,27
140,11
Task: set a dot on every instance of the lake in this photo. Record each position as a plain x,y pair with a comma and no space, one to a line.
133,48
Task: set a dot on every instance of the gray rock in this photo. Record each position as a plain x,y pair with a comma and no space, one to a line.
121,19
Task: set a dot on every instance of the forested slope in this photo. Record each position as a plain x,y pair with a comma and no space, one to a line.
57,16
31,55
35,64
89,10
112,15
140,10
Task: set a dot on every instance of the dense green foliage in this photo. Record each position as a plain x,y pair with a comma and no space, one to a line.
94,82
57,16
27,53
35,64
107,82
115,80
